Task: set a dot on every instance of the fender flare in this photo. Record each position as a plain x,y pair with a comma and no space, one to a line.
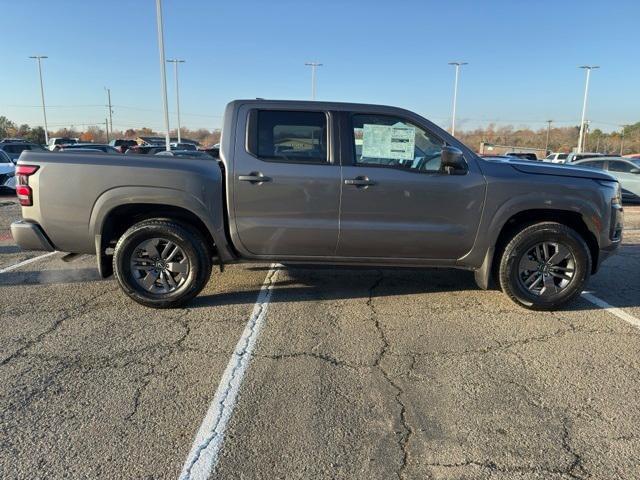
516,205
124,195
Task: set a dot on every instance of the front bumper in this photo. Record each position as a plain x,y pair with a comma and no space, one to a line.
29,236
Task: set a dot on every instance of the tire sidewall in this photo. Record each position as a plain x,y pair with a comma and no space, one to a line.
523,243
126,248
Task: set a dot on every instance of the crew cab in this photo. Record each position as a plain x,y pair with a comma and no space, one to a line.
323,183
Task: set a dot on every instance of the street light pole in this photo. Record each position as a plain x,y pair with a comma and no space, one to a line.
546,148
455,95
44,110
175,62
163,73
110,112
588,68
313,66
621,140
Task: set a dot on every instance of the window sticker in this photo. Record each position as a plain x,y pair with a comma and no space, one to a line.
388,141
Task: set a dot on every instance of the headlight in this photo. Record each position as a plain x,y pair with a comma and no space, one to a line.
616,200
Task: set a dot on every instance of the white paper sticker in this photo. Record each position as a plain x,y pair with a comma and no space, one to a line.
388,141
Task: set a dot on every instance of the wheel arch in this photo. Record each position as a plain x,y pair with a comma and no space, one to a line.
524,218
118,209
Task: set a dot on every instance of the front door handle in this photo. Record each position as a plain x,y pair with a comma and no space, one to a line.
254,177
359,182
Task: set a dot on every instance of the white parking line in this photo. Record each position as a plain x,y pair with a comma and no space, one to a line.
27,262
618,312
203,457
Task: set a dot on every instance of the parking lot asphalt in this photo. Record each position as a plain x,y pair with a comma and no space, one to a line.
355,374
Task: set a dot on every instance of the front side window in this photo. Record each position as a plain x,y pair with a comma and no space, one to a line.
386,141
290,136
622,167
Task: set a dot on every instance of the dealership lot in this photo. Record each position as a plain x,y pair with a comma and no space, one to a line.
355,374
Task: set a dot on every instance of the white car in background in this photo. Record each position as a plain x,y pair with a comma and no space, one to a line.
556,157
7,171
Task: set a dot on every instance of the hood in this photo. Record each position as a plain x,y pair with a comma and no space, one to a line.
560,170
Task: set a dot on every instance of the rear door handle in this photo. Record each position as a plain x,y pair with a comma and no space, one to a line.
254,177
359,182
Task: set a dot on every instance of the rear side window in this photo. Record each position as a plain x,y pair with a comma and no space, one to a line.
622,167
599,164
16,148
288,136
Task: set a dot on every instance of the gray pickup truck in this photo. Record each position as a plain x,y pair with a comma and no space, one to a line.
323,183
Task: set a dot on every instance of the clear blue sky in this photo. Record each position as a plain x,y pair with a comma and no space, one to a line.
522,58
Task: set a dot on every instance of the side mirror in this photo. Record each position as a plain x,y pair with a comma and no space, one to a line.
453,161
635,170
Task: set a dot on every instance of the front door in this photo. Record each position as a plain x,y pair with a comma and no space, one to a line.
396,200
286,186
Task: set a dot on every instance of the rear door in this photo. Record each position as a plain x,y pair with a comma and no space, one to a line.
396,200
286,183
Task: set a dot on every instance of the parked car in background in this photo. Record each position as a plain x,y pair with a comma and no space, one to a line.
633,155
556,157
523,155
56,142
90,146
144,149
626,170
214,150
182,146
184,153
7,171
14,149
574,157
122,144
397,191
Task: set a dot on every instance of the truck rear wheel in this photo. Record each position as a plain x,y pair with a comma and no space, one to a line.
545,266
161,264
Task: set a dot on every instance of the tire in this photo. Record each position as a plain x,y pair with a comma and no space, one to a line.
540,277
149,270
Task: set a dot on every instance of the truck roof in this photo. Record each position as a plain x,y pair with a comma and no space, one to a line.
314,104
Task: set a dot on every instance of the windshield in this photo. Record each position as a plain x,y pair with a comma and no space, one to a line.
636,161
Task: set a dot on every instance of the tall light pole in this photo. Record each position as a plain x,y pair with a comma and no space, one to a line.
588,68
621,139
163,73
175,62
44,110
108,90
313,66
455,95
546,148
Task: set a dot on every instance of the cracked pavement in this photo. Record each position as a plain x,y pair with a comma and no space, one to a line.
357,374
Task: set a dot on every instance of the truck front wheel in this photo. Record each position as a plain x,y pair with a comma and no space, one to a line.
161,264
544,266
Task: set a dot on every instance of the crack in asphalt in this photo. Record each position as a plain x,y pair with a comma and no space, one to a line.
405,435
70,313
318,356
146,378
494,467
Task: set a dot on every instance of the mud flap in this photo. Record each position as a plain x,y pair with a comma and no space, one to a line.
483,274
105,262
